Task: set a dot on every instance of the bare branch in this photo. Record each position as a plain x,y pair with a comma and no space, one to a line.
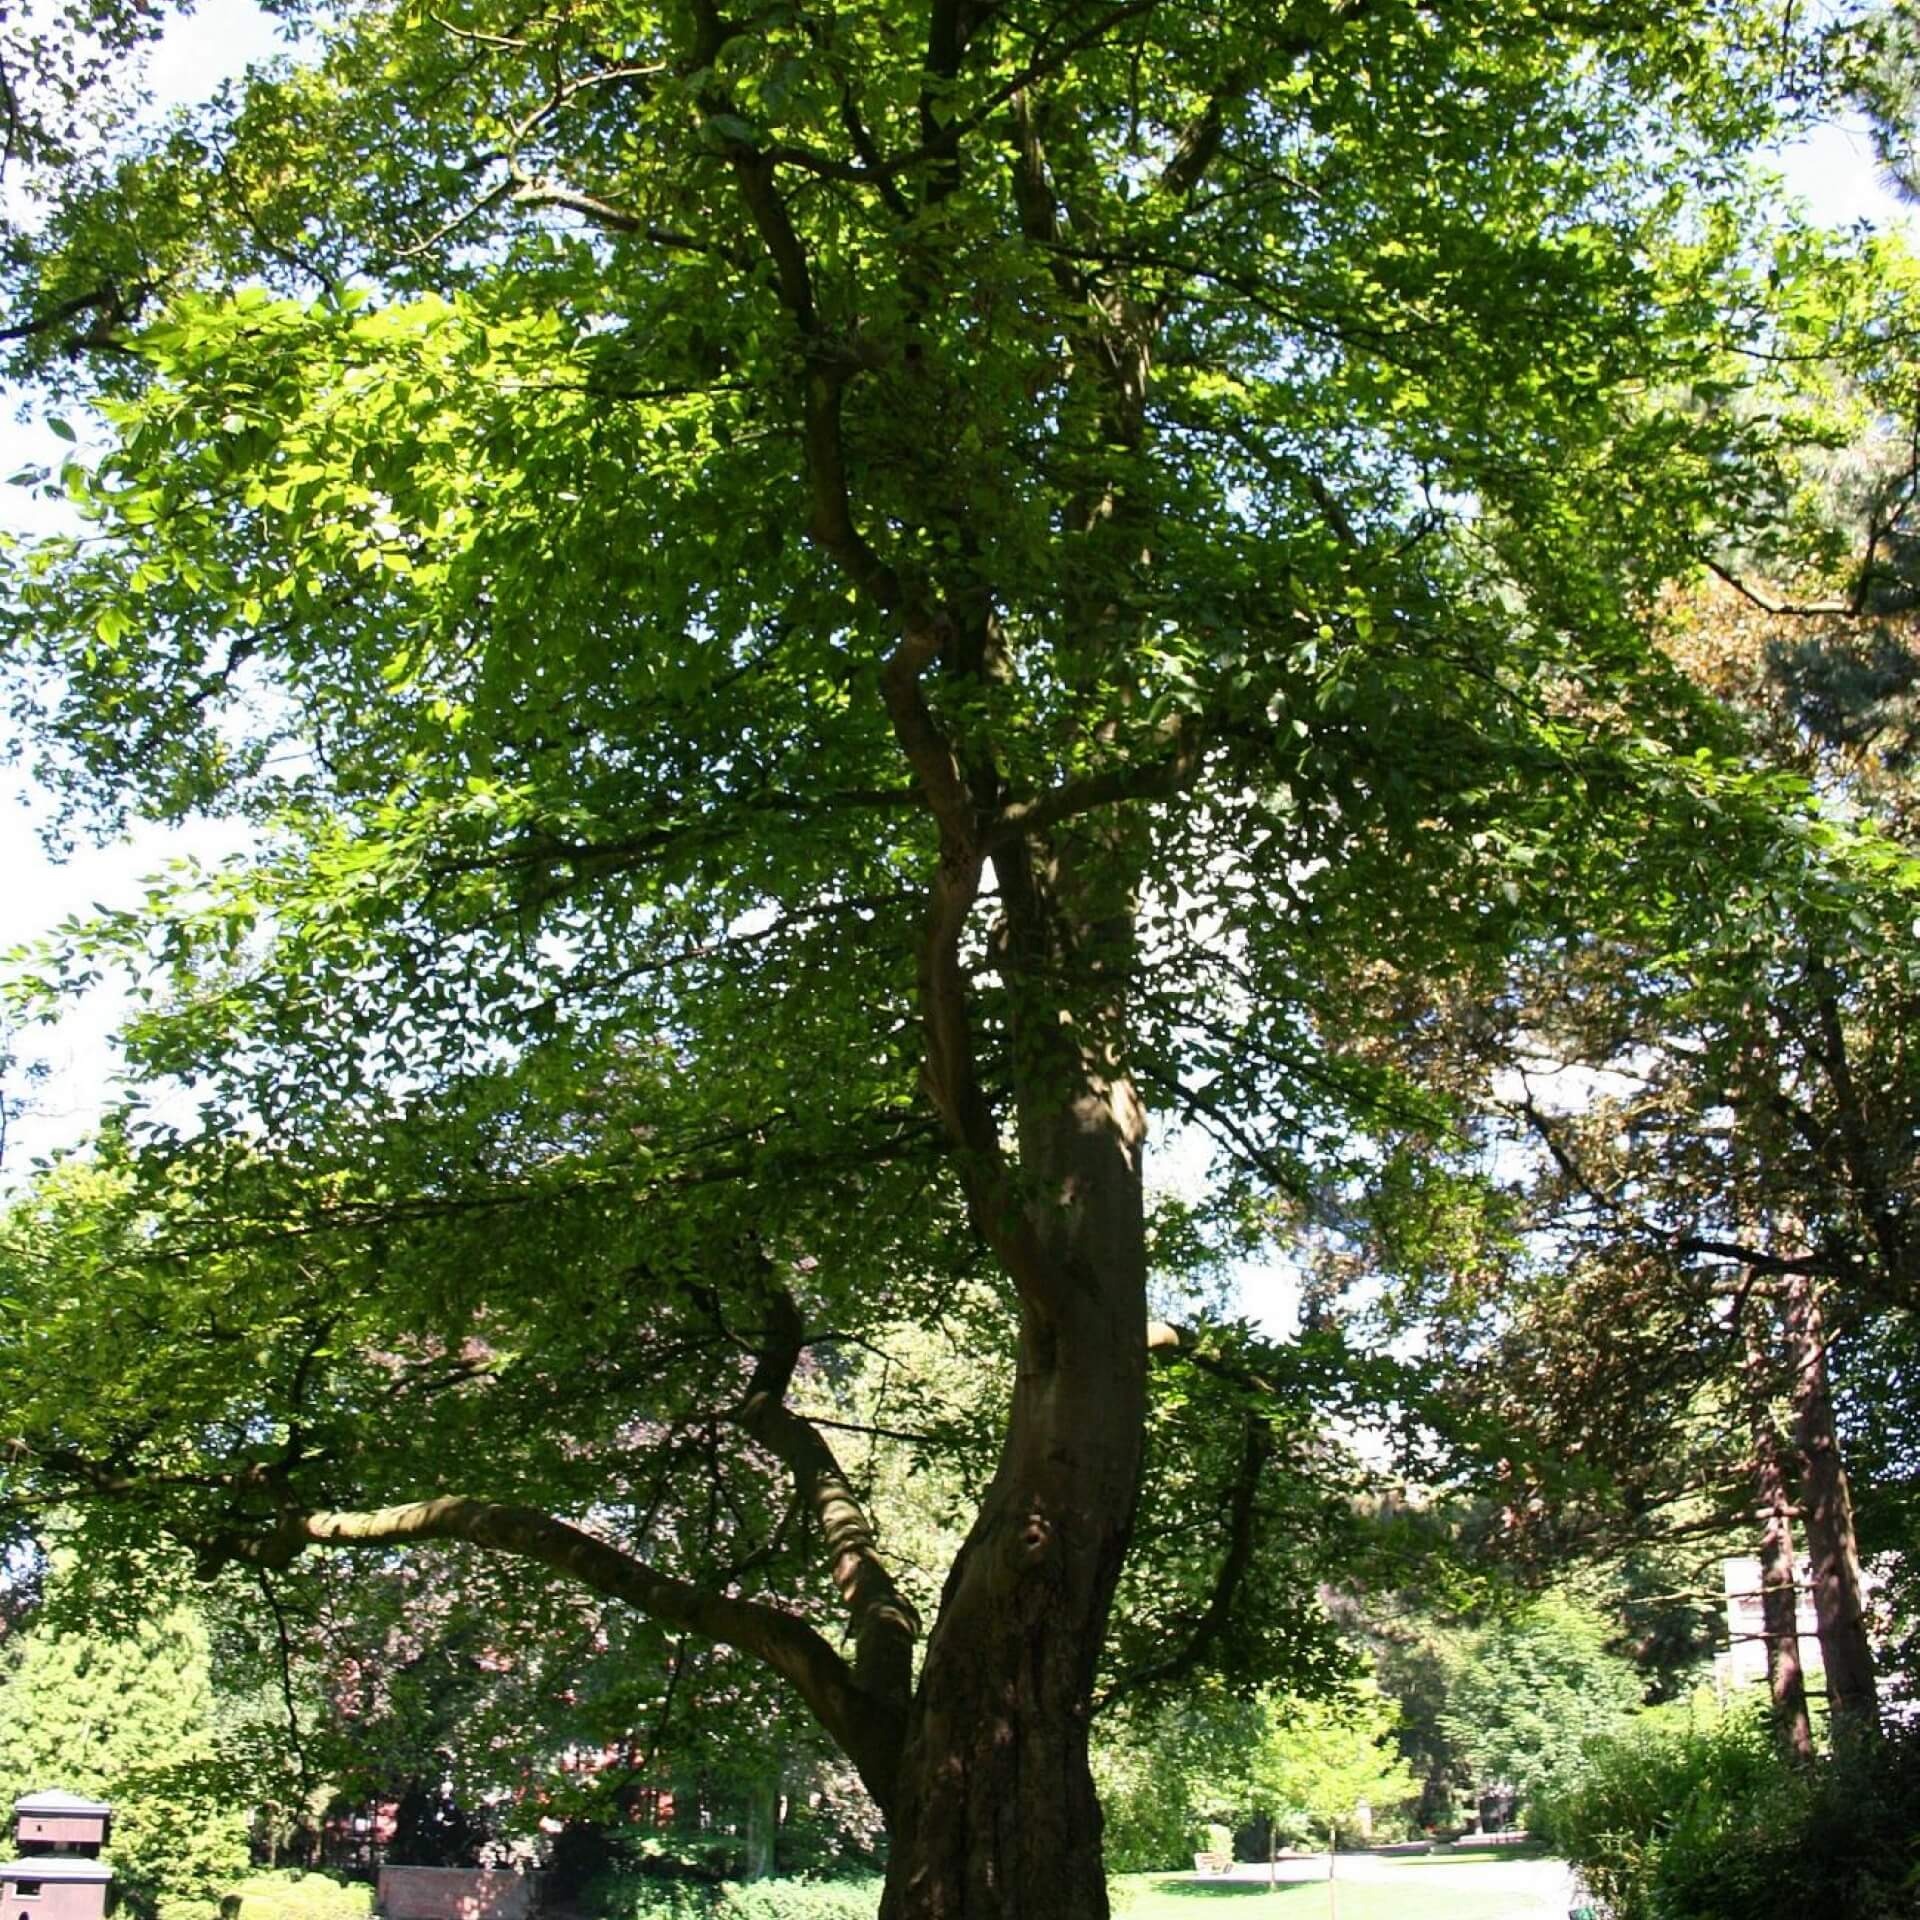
1152,780
484,203
1200,142
1256,1449
105,302
284,1641
950,1072
1752,1258
474,37
859,136
532,191
1803,609
1226,1131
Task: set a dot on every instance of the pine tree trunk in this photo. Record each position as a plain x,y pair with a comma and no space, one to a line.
1779,1612
1827,1513
1792,1730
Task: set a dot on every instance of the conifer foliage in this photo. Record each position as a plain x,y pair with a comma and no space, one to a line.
128,1717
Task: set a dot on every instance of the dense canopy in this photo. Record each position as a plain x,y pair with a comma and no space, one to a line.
824,617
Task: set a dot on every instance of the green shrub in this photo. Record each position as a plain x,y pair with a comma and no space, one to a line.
186,1907
1660,1812
1709,1823
649,1897
802,1900
1163,1774
293,1895
646,1896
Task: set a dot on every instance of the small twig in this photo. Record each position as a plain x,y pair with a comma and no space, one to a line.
878,1433
286,1677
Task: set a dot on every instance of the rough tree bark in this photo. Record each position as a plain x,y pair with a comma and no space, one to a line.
1827,1511
996,1812
1786,1682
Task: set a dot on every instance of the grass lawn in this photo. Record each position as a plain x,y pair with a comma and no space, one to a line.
1148,1896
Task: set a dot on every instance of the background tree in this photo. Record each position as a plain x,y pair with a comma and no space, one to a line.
1168,1773
128,1716
1284,1767
1683,1168
1529,1693
1316,1763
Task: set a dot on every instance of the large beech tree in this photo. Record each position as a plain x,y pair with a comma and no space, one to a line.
821,610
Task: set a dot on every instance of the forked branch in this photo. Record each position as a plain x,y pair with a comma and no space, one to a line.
1256,1449
885,1624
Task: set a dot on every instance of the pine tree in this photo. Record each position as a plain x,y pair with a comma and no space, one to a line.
127,1717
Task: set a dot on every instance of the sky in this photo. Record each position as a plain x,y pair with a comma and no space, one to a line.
219,41
1834,172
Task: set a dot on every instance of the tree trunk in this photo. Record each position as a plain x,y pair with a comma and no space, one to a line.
1786,1684
1827,1513
1792,1730
763,1823
995,1816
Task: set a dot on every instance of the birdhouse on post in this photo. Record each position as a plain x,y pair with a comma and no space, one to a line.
59,1874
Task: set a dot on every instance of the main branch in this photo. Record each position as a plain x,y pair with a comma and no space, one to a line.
869,1734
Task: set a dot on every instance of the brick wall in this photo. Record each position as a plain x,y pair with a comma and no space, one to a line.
454,1893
